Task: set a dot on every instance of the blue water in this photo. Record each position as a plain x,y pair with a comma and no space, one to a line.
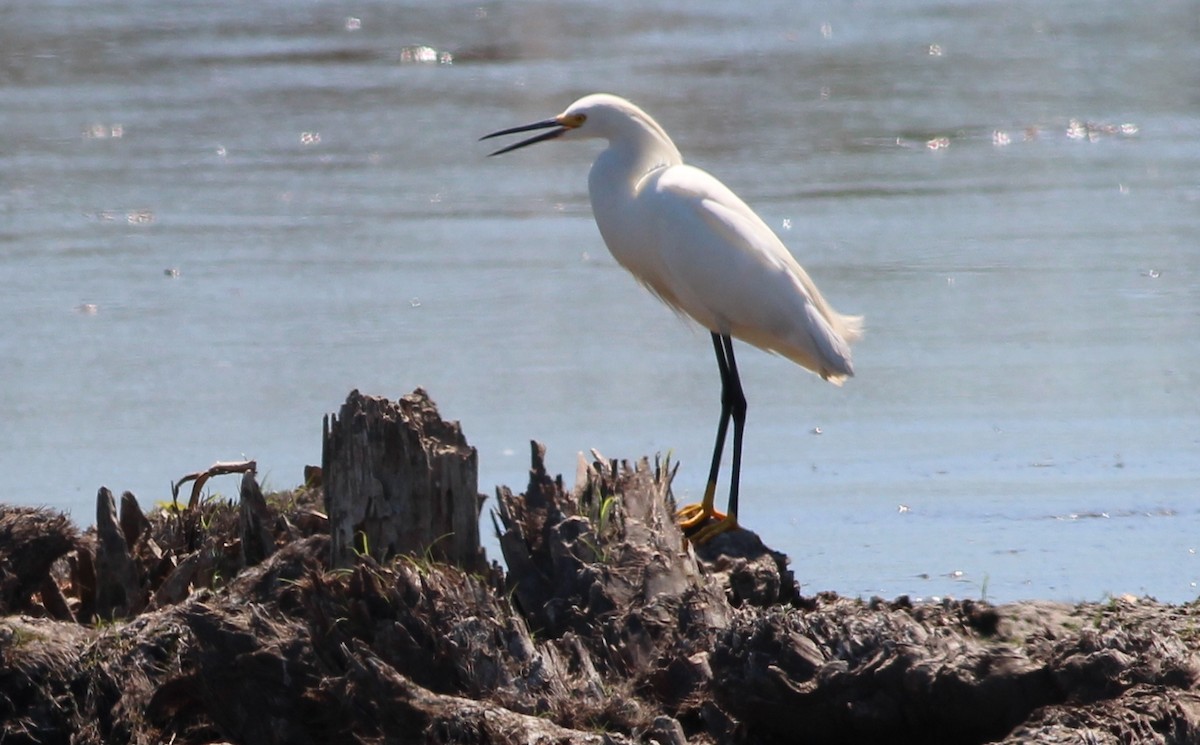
216,219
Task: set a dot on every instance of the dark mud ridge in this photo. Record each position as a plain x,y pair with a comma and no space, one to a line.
360,609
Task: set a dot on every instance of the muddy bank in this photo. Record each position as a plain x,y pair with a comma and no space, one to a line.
228,620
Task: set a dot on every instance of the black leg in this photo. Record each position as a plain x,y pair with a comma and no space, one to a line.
693,517
733,401
726,412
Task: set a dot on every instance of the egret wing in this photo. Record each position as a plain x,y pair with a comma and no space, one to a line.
724,267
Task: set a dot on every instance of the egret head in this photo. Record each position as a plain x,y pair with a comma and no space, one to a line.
598,115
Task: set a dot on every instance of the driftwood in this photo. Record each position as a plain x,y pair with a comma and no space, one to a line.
257,541
189,524
200,478
128,562
119,593
400,480
607,628
133,521
31,540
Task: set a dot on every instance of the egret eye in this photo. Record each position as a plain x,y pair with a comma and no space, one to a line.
572,120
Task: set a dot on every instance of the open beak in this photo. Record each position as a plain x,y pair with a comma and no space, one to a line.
559,128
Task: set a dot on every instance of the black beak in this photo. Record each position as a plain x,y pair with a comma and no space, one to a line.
526,128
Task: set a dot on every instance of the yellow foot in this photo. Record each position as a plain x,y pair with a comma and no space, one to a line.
699,524
710,531
693,516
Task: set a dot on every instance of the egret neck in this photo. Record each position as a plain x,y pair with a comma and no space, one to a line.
638,149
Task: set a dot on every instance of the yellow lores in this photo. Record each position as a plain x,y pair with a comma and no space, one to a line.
697,246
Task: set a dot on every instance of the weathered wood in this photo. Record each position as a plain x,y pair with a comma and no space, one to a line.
257,542
82,565
133,520
636,640
199,478
606,564
189,525
54,601
178,582
1143,714
31,540
118,590
608,628
400,480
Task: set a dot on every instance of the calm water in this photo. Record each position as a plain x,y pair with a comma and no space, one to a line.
217,218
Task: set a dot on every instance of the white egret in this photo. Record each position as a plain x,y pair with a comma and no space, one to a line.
697,246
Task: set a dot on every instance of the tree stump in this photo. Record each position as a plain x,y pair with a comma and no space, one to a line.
398,479
118,590
31,540
257,541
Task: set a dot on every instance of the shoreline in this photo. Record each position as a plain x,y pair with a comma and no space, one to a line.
232,623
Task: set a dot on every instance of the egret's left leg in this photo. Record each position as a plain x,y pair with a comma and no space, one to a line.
733,406
734,400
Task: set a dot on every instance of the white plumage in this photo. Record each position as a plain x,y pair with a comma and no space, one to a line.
698,247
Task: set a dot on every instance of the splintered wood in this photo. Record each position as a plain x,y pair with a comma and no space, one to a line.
200,477
400,480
